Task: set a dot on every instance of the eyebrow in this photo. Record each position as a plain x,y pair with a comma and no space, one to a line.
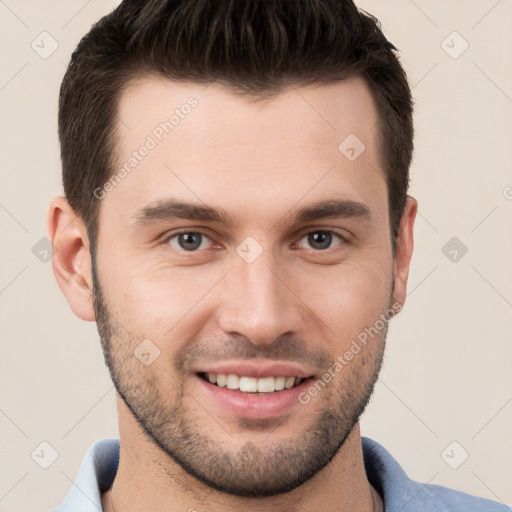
169,209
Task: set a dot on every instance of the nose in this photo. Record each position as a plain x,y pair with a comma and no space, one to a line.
258,301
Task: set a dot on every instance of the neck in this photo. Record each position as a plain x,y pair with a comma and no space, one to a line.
148,479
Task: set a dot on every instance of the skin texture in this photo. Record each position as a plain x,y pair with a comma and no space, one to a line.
260,162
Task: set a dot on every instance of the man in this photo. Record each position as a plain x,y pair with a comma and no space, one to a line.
237,223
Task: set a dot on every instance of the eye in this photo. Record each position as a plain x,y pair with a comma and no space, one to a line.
321,240
188,240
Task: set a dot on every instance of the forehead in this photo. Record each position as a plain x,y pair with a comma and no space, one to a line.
206,143
305,114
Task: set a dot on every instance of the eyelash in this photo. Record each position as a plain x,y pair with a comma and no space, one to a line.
344,239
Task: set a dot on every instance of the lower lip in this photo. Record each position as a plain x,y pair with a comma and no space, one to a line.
255,405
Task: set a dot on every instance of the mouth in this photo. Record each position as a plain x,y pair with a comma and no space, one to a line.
251,385
255,396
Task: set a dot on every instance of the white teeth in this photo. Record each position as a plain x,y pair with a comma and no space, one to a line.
248,384
267,385
280,383
290,381
232,381
252,384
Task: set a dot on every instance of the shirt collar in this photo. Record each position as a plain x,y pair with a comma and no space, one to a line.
96,474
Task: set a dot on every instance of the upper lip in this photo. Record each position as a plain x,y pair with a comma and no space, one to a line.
252,369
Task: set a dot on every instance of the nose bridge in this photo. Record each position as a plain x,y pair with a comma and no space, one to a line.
256,302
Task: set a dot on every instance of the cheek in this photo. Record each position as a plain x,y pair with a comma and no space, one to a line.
348,299
159,303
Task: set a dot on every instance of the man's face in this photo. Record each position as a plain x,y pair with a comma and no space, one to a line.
274,286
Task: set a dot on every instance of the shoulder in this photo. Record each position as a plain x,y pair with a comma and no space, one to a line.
457,500
400,493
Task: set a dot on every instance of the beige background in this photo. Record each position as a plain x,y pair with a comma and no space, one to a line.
447,372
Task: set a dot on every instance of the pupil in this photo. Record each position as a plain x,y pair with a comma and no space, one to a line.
189,241
320,239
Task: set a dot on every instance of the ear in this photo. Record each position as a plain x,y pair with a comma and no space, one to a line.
404,248
71,261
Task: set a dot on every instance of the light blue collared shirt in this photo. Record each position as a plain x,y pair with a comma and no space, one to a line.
399,493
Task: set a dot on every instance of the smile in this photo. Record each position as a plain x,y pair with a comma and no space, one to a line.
248,384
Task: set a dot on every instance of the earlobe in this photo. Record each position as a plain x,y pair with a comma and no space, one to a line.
404,250
71,260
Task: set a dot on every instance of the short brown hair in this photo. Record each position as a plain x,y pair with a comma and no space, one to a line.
254,47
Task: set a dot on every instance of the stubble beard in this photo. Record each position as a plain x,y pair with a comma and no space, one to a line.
261,468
